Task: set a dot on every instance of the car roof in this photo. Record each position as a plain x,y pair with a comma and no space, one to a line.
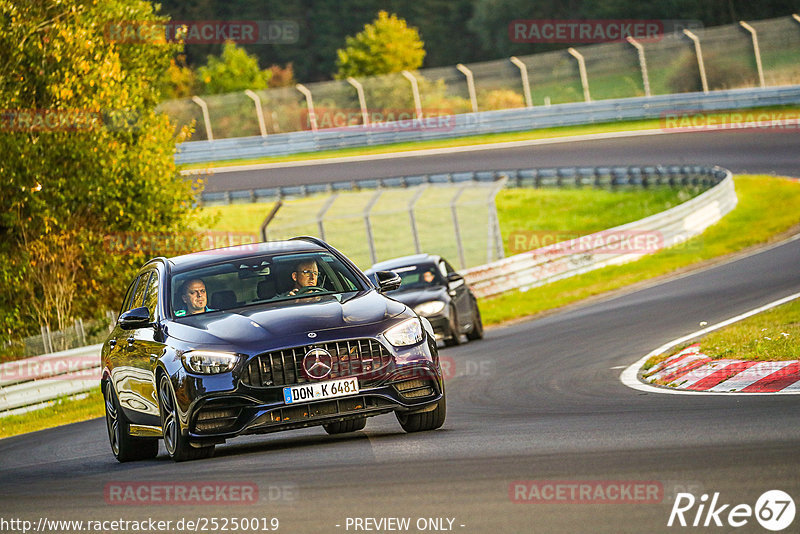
415,259
194,260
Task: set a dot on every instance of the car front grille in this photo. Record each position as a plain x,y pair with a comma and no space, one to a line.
355,357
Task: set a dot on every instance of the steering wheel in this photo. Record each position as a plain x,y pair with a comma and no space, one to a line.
310,289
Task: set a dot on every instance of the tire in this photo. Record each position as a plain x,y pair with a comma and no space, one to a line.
125,447
419,422
453,337
175,439
477,324
343,427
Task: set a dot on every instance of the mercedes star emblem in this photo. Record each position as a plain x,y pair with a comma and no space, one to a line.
317,363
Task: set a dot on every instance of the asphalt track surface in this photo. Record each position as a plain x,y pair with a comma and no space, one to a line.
537,400
770,151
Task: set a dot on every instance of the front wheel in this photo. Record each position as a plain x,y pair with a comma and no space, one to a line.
125,447
418,422
175,441
477,324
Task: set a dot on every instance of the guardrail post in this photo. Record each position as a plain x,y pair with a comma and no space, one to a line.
456,227
642,64
415,90
699,53
470,86
523,73
268,219
582,70
411,204
370,239
322,212
206,118
259,112
312,118
756,51
362,101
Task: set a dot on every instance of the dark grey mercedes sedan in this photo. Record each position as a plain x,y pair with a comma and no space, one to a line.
262,338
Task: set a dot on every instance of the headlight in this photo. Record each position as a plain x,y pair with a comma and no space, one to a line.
208,363
406,333
432,307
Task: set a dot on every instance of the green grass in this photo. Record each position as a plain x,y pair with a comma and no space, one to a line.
543,133
64,411
769,336
767,207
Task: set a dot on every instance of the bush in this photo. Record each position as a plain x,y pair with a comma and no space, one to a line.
721,73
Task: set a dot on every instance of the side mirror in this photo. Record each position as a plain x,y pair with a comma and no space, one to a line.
387,281
454,277
135,318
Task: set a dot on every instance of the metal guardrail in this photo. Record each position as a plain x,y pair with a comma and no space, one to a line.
508,120
34,382
609,247
674,175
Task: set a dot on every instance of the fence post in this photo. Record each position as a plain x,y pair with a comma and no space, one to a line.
582,70
368,224
411,204
362,101
699,53
206,118
312,118
268,219
47,343
495,239
454,212
523,72
756,51
259,112
81,332
322,212
642,64
470,86
415,90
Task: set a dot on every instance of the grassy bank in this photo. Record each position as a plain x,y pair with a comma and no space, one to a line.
63,411
767,207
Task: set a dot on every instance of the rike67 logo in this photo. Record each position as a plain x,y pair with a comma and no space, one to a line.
774,510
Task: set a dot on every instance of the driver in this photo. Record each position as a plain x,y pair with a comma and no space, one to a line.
305,274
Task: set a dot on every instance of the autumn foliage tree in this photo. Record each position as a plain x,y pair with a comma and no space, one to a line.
84,156
385,46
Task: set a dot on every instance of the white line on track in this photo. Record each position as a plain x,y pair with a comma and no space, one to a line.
630,376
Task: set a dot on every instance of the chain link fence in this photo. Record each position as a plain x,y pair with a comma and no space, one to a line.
80,334
613,70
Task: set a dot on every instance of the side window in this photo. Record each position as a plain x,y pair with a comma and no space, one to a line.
151,295
128,294
138,294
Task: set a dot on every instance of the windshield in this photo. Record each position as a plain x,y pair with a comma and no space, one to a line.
260,279
418,276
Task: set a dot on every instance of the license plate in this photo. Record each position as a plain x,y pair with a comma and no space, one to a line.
320,390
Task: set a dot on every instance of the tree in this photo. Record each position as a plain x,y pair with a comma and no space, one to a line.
85,157
234,70
387,45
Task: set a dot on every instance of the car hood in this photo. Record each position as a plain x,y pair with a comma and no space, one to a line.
412,297
272,321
